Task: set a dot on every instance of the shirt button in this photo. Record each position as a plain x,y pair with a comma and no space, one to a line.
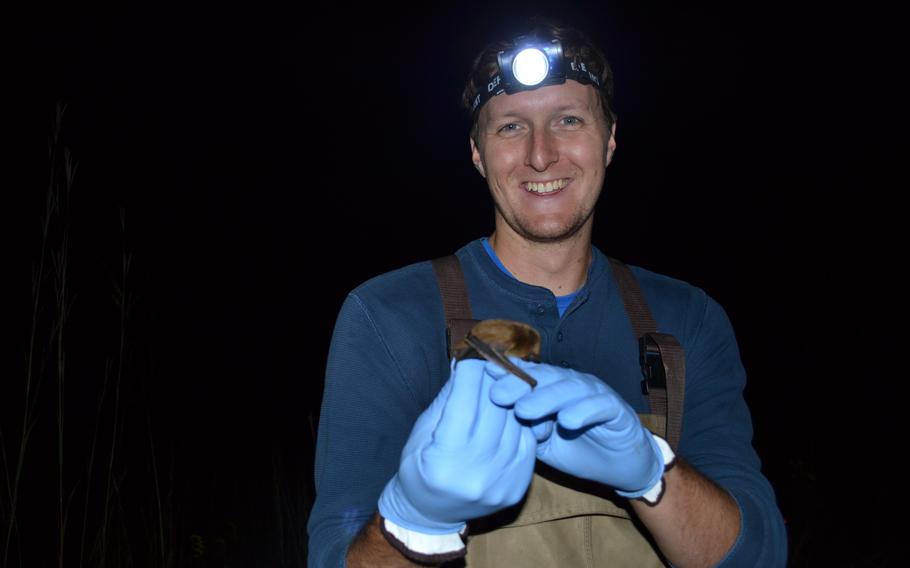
559,336
541,309
564,364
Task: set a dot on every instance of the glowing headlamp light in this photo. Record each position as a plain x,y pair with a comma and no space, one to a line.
531,64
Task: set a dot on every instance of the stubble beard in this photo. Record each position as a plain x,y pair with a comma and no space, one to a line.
526,229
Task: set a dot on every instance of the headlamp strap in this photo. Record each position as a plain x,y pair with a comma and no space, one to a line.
578,71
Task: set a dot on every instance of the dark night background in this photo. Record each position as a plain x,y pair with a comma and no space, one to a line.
265,159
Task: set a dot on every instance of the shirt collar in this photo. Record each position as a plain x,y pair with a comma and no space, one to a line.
490,271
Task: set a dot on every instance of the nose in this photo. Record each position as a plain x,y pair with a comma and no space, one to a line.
543,150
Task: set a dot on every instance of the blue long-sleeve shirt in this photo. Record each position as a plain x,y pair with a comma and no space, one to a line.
388,359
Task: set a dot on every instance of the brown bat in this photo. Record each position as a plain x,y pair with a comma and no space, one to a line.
496,340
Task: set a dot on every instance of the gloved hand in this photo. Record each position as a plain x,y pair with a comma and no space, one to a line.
597,435
465,458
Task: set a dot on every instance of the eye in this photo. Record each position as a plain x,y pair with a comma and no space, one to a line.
508,128
571,121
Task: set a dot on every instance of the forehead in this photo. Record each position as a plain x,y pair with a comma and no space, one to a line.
569,95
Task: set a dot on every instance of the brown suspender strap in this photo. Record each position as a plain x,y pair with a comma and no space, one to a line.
662,354
662,358
455,301
633,299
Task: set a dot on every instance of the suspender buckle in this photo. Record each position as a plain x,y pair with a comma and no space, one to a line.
652,364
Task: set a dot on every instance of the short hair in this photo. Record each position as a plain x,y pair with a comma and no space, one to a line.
574,44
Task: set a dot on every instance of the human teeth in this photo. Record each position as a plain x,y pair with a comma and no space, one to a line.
547,187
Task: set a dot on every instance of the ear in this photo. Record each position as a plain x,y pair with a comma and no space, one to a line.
611,145
475,157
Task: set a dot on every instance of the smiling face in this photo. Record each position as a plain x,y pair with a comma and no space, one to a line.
543,154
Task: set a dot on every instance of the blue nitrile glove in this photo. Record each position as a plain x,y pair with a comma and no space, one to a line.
465,458
598,435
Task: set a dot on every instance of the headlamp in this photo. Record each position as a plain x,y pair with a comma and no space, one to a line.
531,64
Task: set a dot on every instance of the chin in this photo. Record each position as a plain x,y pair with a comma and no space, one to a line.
550,235
547,228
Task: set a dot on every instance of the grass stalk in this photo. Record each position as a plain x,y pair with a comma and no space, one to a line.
125,303
162,549
4,507
64,304
32,384
91,463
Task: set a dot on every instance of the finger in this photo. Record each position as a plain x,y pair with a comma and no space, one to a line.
514,461
486,432
542,429
460,409
506,389
541,372
552,398
499,372
513,440
510,388
598,409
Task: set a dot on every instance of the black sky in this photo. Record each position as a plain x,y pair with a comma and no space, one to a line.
270,158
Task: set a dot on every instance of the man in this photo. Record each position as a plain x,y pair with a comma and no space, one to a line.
412,447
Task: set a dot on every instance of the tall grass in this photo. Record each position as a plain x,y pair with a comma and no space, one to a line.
124,302
95,484
47,355
63,303
52,210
